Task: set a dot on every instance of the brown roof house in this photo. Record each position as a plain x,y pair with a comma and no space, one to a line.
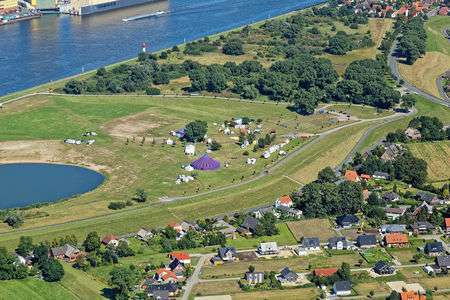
67,252
396,240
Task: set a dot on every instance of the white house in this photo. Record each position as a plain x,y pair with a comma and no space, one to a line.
189,149
268,248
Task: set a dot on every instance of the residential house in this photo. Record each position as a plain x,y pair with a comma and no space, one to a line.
288,212
412,295
443,262
261,211
447,226
177,267
26,261
110,240
413,133
254,277
179,229
339,243
347,221
383,268
429,198
182,256
381,175
189,149
396,240
391,197
394,213
391,151
351,175
325,272
422,227
248,227
309,244
154,290
391,228
287,276
424,205
144,235
443,11
366,241
67,252
365,177
165,276
227,229
224,254
434,248
342,288
285,201
366,194
268,248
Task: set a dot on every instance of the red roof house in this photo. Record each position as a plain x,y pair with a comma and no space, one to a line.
396,239
182,256
285,201
352,176
164,275
447,225
443,11
412,295
177,227
110,239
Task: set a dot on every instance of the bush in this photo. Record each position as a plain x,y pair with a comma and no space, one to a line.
152,91
163,55
233,47
74,87
14,220
52,270
215,146
116,205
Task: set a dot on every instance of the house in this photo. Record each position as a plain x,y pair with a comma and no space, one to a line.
351,175
227,229
227,253
366,241
182,256
339,243
365,177
287,276
309,244
413,133
366,194
254,277
391,197
26,261
429,198
288,212
176,267
249,226
447,226
154,290
412,295
189,149
284,201
394,213
396,240
391,151
326,272
381,175
165,276
186,226
443,262
347,221
110,240
424,205
342,288
391,228
144,235
443,11
268,248
434,248
422,227
261,211
66,252
383,268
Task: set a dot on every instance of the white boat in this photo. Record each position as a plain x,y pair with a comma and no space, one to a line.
155,14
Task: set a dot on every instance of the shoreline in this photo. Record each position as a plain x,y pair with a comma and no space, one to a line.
48,85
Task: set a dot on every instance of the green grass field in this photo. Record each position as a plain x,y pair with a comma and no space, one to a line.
375,254
435,39
361,112
34,289
284,237
437,156
320,228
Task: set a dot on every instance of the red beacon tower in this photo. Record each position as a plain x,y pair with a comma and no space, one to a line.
144,47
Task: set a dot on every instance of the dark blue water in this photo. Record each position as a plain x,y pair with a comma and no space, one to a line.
53,47
30,183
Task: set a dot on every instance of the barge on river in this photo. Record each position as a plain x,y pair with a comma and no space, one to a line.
88,7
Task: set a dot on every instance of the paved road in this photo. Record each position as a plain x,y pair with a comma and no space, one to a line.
194,279
392,63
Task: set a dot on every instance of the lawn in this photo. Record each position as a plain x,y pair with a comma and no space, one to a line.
437,156
375,254
359,111
320,228
216,288
34,289
84,285
284,237
425,70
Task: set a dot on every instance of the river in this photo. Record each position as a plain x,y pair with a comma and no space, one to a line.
52,47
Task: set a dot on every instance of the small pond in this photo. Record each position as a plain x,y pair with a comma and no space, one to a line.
23,184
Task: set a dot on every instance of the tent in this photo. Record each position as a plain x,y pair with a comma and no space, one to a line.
205,163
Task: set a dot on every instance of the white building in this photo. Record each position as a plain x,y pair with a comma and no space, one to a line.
189,149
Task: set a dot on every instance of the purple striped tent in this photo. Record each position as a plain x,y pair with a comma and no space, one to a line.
205,163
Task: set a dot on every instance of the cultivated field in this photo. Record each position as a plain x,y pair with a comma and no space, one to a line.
437,156
320,228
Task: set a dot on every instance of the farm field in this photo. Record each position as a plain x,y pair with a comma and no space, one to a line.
320,228
437,156
424,72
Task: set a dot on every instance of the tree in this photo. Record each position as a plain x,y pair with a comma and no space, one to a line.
233,47
52,270
410,169
408,102
340,44
249,92
215,146
141,195
75,87
251,268
25,246
92,242
327,175
14,220
123,280
304,103
123,250
195,131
